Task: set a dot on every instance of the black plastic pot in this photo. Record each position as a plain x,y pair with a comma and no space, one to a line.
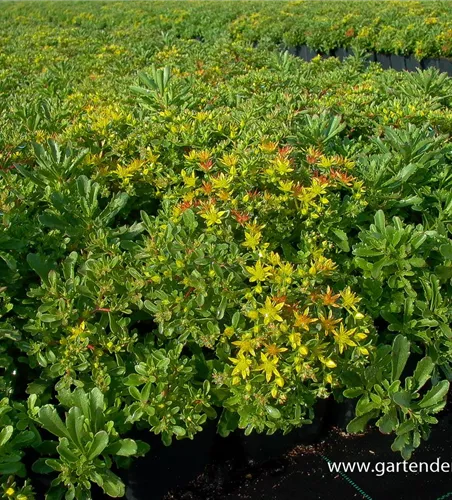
306,53
412,64
340,414
305,474
384,60
430,63
341,53
445,65
166,468
398,62
328,54
259,448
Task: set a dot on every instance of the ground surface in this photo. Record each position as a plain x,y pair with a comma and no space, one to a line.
269,468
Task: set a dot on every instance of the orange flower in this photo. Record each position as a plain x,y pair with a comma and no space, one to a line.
321,179
342,177
329,299
240,217
274,350
328,322
313,155
278,300
304,320
253,194
285,151
185,205
207,187
297,189
206,165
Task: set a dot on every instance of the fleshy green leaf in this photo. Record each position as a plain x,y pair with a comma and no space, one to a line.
435,395
98,445
399,356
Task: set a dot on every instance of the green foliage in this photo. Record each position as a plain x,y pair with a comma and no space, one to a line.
232,238
400,408
159,92
406,276
87,445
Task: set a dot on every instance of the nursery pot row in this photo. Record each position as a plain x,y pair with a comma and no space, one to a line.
172,468
387,61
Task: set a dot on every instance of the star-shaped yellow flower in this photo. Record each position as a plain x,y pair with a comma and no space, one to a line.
258,272
242,365
270,311
342,338
269,367
246,346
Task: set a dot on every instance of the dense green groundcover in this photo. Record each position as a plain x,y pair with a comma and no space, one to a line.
196,230
422,29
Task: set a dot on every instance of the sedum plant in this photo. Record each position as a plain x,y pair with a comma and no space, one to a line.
406,409
194,231
405,278
87,445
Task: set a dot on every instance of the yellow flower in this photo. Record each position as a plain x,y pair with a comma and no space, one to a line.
349,298
360,336
229,160
270,311
242,365
282,165
246,346
286,269
252,240
253,314
328,362
317,188
259,272
229,331
274,258
303,350
342,338
128,171
189,180
274,350
268,146
295,339
286,186
79,330
221,182
192,155
269,367
10,492
328,299
322,265
212,215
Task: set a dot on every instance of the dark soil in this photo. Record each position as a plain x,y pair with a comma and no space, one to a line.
274,467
